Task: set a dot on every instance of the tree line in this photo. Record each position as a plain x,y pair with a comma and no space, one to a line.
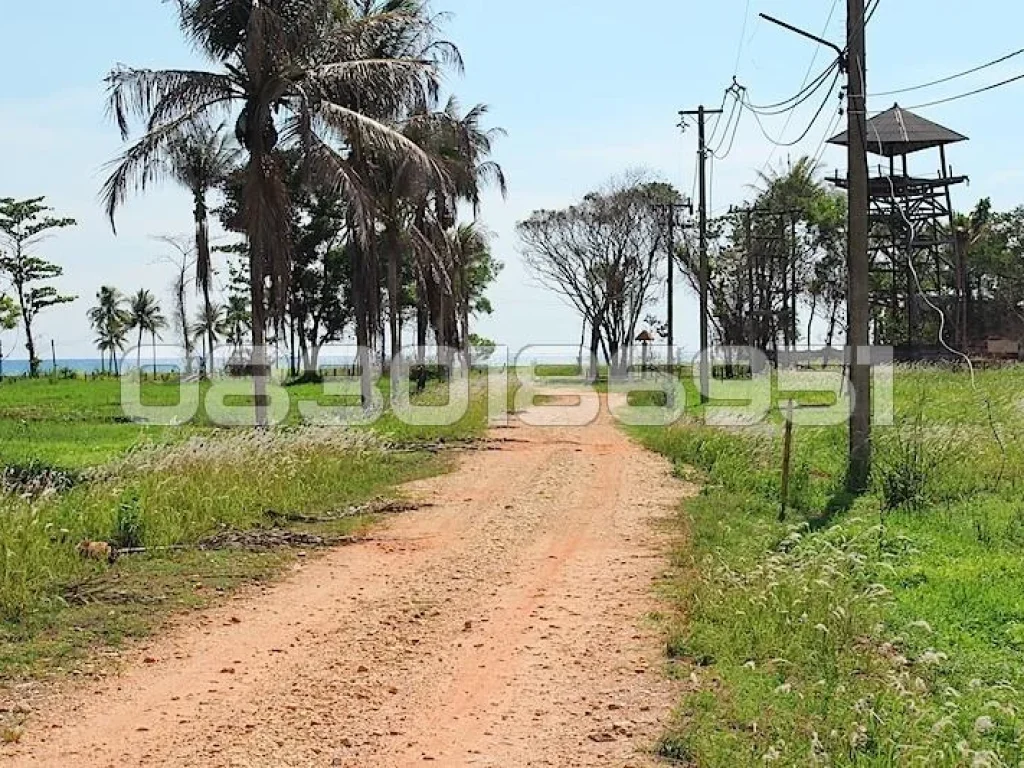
777,269
347,151
321,136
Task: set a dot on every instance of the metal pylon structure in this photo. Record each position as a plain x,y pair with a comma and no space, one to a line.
915,260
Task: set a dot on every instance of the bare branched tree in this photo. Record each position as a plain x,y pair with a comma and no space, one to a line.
603,256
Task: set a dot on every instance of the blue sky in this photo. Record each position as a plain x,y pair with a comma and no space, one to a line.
585,88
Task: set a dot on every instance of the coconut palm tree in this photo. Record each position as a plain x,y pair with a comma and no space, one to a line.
470,247
463,147
200,160
313,74
209,326
111,339
109,318
145,316
237,320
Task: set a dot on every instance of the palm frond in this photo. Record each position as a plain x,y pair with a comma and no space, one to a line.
158,97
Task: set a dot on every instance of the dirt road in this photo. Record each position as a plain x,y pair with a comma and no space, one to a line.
504,626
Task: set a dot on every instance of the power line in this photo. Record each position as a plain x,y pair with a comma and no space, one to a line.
871,13
969,93
798,99
718,116
830,130
779,142
957,76
735,132
735,117
810,68
743,36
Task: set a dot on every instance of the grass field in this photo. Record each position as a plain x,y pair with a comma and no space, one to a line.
75,470
886,630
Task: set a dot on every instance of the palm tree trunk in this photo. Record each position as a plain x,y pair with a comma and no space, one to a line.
362,313
422,320
204,267
394,295
210,342
138,354
259,325
154,353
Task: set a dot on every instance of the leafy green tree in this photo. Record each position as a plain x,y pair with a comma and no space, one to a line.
483,348
144,315
23,225
110,340
603,256
10,315
319,300
477,269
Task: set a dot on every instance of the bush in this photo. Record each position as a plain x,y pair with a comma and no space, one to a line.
129,530
907,467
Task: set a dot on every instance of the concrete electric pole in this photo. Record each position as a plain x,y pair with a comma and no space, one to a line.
702,155
858,297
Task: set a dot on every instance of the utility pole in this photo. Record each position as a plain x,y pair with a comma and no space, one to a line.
702,153
858,313
794,254
669,210
854,61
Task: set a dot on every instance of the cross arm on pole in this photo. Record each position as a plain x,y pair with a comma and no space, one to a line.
803,33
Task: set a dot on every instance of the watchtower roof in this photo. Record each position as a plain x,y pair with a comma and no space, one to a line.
898,132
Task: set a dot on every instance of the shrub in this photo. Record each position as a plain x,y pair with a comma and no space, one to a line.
129,527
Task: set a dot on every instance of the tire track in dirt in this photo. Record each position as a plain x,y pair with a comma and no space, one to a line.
504,626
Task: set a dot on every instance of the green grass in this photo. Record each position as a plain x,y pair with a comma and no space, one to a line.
168,487
881,631
79,423
122,604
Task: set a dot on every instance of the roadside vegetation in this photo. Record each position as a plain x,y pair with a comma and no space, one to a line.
196,510
884,630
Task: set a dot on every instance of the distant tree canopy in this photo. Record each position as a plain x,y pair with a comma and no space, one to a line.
993,246
778,266
604,257
784,246
23,225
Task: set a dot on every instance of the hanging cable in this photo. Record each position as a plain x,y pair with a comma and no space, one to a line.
718,117
821,109
871,13
735,132
830,130
735,117
957,76
975,92
799,97
836,66
743,39
911,238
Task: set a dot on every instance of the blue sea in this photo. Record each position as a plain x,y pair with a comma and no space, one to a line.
83,365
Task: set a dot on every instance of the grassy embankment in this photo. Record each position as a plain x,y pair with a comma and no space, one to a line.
886,630
75,470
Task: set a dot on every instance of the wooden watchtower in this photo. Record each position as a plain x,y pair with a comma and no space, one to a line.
914,256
